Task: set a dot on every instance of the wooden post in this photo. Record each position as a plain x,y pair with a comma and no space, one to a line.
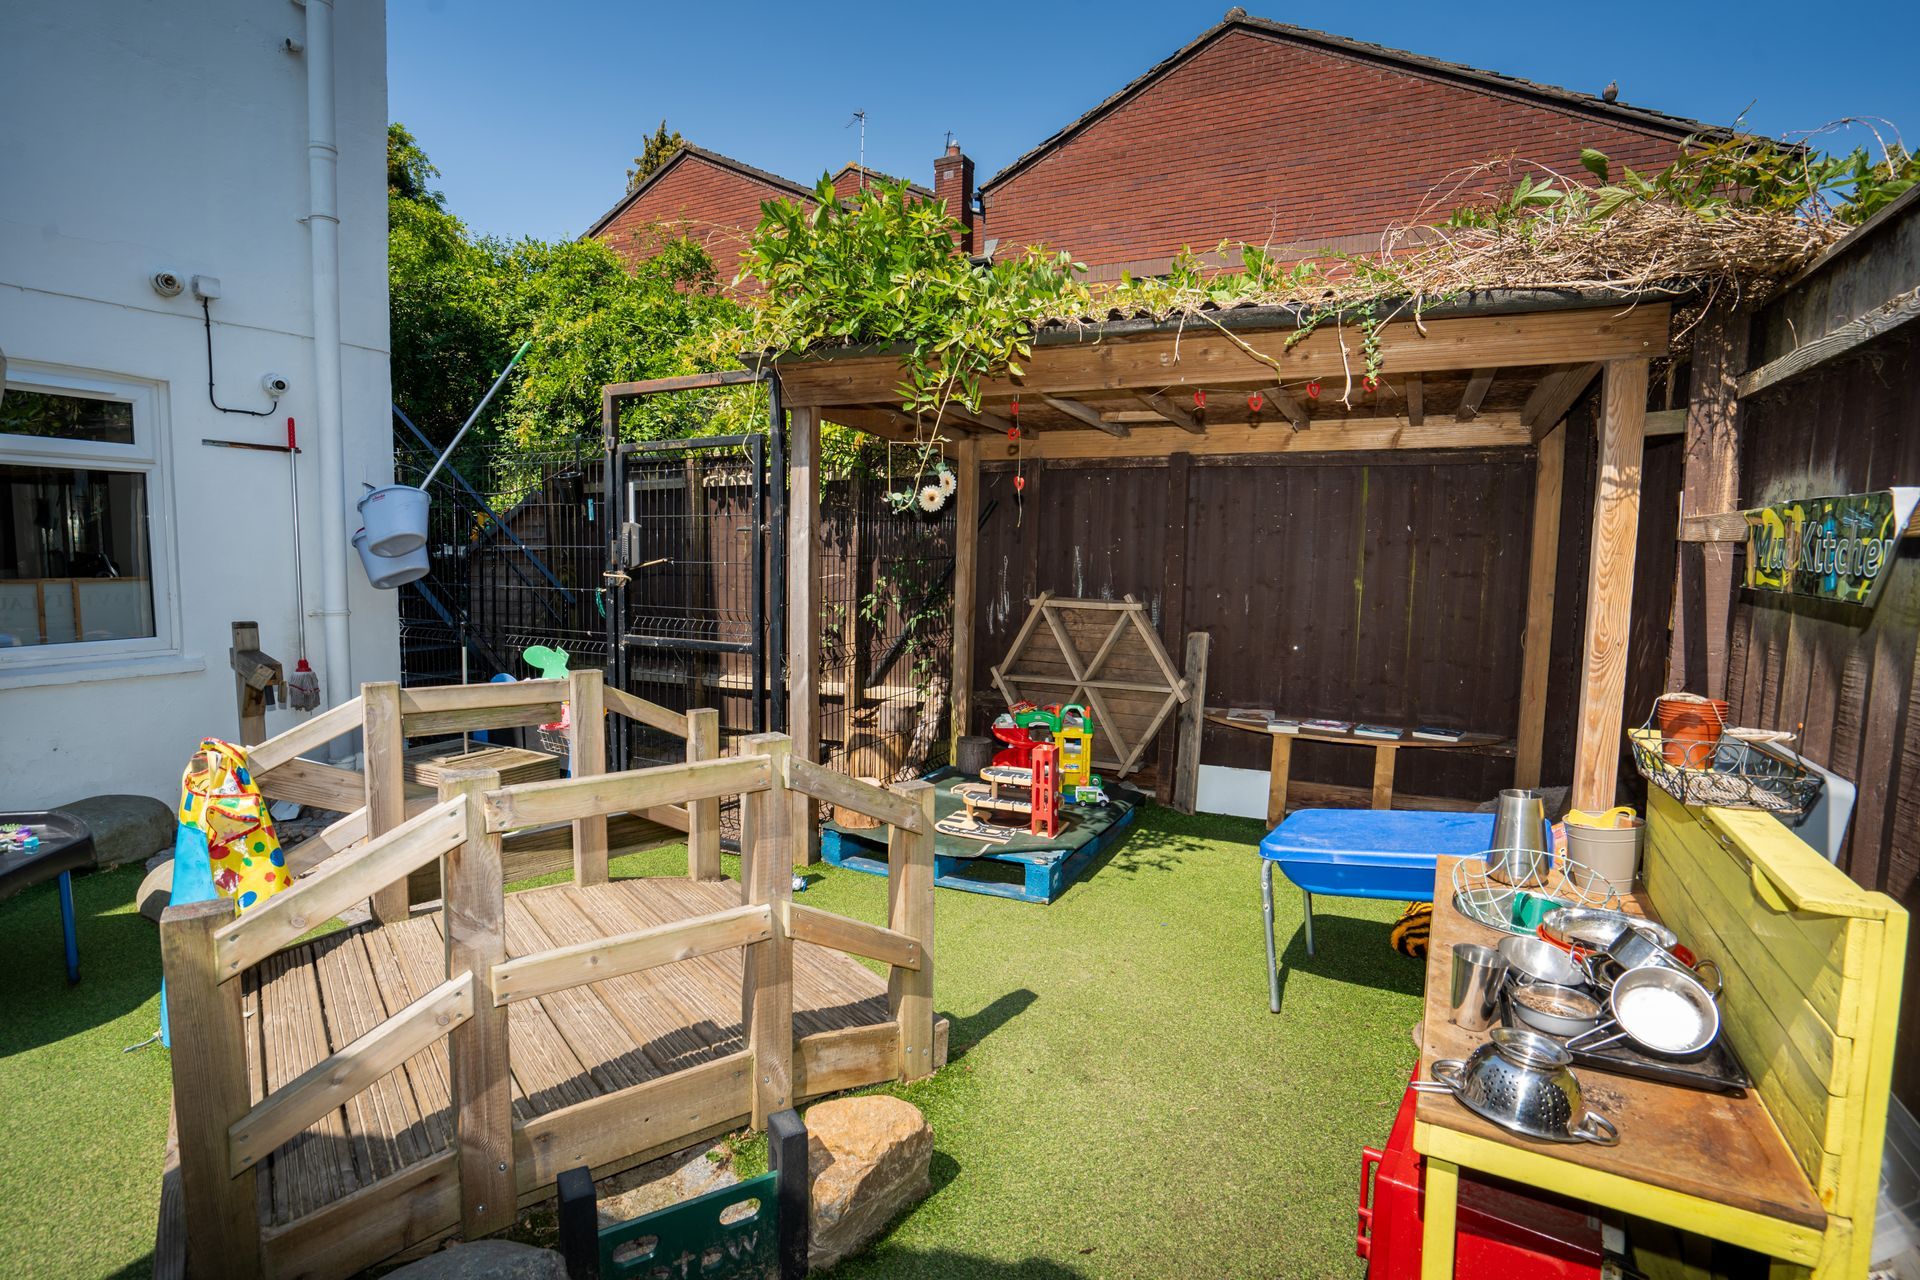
251,702
1536,643
853,682
1173,614
209,1092
385,745
1193,723
1703,572
1384,756
1279,774
910,911
803,610
703,816
766,994
587,748
1616,531
966,572
474,896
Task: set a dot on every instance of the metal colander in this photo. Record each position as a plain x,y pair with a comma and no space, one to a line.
1522,1081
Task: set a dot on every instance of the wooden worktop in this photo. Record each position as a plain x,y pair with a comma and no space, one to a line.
1486,742
1719,1148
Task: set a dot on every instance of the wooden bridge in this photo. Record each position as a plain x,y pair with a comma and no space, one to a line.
342,1100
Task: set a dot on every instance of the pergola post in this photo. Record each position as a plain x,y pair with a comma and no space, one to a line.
966,564
1703,573
803,613
1616,531
1536,641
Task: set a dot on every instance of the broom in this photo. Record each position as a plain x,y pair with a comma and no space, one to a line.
303,686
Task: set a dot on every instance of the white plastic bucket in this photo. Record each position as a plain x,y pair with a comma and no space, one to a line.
389,572
395,518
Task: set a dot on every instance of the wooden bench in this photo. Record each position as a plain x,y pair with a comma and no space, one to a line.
1813,968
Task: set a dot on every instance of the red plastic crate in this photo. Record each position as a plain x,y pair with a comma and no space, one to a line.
1501,1232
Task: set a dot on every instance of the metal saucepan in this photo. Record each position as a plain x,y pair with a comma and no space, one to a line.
1635,950
1537,960
1523,1082
1597,928
1664,1011
1554,1010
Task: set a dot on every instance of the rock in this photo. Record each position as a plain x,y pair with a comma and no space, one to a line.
156,891
486,1260
867,1163
125,828
661,1183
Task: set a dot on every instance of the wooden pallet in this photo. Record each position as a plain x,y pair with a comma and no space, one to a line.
1046,873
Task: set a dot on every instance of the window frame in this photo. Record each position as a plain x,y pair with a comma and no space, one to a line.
145,457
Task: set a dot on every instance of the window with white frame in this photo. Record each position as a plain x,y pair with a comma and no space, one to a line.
83,568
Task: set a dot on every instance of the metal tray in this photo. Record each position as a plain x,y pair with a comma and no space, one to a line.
1717,1070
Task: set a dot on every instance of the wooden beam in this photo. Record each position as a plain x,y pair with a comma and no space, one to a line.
210,1090
323,786
1416,393
1496,429
1882,319
855,937
1536,643
820,783
1703,581
1201,356
1167,409
354,876
587,749
479,1056
470,697
981,421
1193,718
1555,394
703,816
681,382
1085,413
803,608
302,738
533,804
1616,531
766,994
910,912
329,1082
641,711
1731,526
966,569
654,1116
1476,392
528,977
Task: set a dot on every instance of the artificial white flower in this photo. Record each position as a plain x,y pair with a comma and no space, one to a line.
948,482
931,497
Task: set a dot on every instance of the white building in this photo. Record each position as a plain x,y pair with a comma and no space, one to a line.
190,140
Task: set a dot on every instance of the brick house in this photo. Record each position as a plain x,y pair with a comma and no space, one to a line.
712,198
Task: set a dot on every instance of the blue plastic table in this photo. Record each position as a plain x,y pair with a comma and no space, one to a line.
1361,853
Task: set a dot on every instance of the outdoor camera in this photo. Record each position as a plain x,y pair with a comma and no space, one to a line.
166,284
273,384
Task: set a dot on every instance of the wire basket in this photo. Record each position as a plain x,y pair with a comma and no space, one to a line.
1741,774
1511,908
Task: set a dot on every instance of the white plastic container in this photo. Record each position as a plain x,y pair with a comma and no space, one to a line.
390,572
395,518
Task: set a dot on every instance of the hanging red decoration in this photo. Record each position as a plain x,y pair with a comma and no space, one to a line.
1019,484
1200,400
1313,391
1013,432
1254,402
1370,382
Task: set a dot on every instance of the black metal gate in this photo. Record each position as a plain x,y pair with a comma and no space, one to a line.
689,626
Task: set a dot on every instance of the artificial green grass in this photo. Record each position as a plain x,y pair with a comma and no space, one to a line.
1118,1101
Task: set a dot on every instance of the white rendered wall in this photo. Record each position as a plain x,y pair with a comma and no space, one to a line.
148,137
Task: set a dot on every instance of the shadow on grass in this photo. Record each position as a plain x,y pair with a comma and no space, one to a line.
951,1263
1352,951
119,961
969,1030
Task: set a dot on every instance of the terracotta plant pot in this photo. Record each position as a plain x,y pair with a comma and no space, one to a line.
1690,728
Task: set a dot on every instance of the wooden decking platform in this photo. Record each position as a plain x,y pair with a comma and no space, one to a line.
568,1046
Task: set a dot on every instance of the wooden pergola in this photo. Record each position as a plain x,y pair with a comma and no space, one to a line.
1496,371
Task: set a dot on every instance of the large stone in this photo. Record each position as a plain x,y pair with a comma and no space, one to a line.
156,891
485,1260
867,1163
663,1183
125,828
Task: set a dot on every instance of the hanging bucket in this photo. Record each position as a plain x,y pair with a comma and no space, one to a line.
389,572
396,520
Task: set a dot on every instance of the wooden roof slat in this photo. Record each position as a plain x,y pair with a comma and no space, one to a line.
1416,393
1084,413
1556,394
1475,394
1170,411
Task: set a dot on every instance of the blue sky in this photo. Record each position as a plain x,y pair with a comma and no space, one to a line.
533,111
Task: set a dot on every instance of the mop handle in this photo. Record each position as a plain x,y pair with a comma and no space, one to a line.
478,409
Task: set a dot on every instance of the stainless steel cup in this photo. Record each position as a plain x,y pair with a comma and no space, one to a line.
1519,854
1478,972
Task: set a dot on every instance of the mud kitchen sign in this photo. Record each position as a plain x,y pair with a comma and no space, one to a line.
1830,548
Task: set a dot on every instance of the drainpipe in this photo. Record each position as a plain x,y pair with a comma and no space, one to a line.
323,227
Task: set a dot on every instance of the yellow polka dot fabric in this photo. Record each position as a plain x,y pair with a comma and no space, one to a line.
218,795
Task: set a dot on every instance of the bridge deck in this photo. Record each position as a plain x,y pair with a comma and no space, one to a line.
311,1000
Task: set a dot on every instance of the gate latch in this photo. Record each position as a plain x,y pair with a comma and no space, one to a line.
628,552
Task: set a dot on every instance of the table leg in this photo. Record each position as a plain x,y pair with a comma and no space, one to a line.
1307,894
1266,911
1279,765
1443,1193
66,927
1383,757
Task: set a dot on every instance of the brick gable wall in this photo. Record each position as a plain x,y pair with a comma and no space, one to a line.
1259,139
716,206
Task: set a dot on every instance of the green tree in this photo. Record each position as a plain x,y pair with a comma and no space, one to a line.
658,150
408,169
